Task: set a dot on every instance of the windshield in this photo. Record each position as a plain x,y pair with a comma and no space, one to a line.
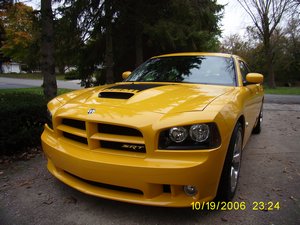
187,69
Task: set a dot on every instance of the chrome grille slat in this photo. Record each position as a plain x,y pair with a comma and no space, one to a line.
72,130
118,138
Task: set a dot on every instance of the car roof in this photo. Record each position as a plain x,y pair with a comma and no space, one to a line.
196,54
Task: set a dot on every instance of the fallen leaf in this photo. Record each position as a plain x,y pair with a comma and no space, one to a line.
241,197
24,183
70,200
49,201
224,219
276,189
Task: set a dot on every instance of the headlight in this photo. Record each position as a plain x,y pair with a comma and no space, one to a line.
199,132
178,134
192,137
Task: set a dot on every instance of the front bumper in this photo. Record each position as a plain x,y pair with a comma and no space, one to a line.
155,179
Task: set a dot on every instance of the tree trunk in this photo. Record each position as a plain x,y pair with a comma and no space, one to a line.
271,75
268,52
109,57
47,50
61,69
269,60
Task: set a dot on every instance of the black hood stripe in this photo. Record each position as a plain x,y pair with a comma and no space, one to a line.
134,87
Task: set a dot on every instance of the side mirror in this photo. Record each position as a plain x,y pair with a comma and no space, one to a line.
254,78
126,74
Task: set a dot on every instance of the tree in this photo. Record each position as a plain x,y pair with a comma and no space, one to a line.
67,42
109,57
246,47
266,16
289,48
47,50
286,51
118,35
154,27
20,33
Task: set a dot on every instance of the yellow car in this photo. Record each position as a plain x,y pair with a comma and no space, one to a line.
170,134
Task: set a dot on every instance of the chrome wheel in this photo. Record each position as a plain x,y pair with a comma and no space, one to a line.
231,169
261,116
236,161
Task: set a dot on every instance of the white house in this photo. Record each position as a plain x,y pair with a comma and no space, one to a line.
11,67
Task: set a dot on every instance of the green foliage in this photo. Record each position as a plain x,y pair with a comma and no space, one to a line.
23,115
21,39
22,119
185,26
72,75
140,29
67,41
99,77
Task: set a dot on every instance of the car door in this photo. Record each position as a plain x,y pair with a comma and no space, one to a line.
252,100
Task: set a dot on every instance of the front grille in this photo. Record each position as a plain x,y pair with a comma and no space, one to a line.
113,129
74,123
108,186
102,136
75,138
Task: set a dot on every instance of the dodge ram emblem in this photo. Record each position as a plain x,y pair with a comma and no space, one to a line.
91,111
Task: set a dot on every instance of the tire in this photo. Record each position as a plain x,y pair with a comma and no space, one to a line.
257,128
231,169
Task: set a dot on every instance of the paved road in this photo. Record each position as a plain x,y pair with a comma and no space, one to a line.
270,173
282,99
26,83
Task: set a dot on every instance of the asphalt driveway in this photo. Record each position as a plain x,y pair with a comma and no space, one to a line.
270,173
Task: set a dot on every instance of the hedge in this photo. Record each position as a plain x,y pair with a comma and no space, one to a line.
22,116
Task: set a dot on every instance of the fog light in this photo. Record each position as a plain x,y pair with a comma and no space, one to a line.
190,190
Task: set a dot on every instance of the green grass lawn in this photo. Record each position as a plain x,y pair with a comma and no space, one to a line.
283,91
36,76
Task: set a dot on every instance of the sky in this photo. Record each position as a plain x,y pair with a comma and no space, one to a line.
234,21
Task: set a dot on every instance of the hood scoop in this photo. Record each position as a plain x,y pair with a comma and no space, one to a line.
125,91
117,95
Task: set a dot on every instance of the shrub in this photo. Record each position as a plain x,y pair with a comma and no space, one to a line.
22,119
72,75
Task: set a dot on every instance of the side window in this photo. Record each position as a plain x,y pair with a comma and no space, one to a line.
244,70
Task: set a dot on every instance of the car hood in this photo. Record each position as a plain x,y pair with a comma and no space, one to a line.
149,97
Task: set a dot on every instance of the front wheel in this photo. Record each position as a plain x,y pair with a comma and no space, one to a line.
232,165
